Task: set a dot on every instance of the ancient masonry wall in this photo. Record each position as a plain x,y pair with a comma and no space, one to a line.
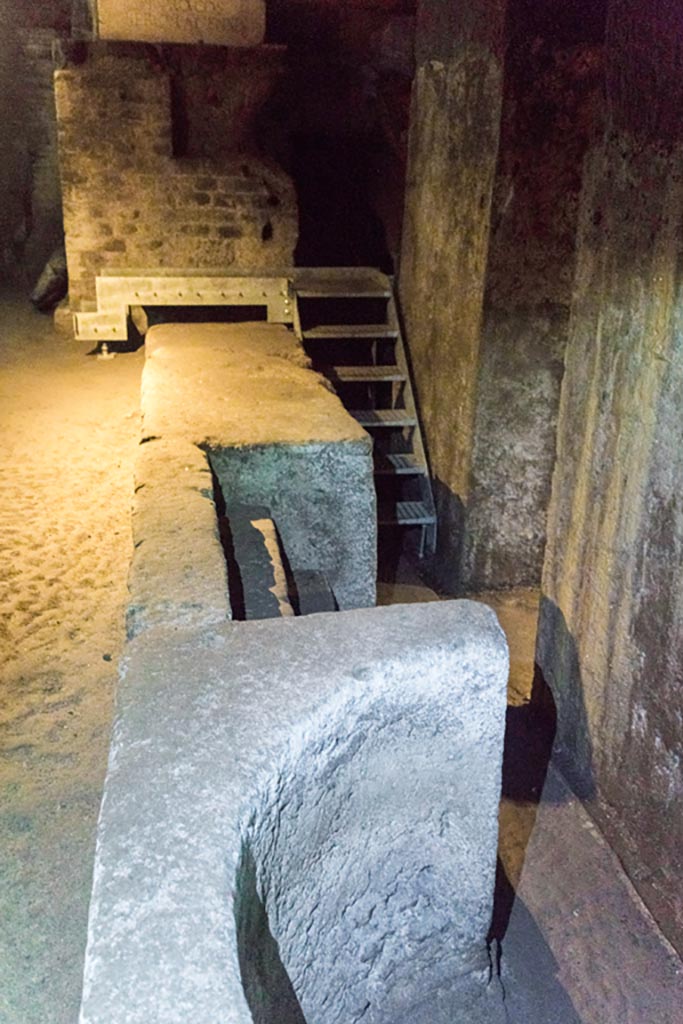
611,626
455,121
129,203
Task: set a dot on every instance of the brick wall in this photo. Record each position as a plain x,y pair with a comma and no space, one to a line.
129,203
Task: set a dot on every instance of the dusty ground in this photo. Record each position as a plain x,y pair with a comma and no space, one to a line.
69,431
578,946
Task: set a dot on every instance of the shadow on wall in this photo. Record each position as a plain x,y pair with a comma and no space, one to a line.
528,968
559,674
557,704
444,567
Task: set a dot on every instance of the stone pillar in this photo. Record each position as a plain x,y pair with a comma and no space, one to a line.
15,164
455,119
552,108
611,626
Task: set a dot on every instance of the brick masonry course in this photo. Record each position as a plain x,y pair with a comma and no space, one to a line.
129,203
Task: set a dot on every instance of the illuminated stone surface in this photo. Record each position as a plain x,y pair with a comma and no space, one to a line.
333,778
223,22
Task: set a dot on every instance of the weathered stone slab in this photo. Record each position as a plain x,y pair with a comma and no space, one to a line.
257,557
178,573
223,22
276,436
334,779
313,592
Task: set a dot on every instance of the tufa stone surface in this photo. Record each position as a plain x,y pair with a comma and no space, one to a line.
178,572
455,120
552,108
329,784
611,620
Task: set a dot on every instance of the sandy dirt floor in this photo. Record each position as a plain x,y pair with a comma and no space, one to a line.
69,428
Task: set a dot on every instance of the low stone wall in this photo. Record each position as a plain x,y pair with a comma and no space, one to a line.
178,573
240,399
300,814
327,783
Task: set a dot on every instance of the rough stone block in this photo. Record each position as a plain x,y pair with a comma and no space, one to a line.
178,573
263,587
329,784
276,436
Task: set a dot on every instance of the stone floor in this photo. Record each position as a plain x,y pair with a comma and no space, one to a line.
578,946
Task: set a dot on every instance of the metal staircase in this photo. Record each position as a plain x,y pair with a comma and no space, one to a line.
347,321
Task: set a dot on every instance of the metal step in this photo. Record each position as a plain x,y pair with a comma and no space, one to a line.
405,513
360,331
339,283
398,474
364,374
398,464
384,417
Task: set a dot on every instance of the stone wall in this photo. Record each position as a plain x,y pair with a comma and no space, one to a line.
453,145
46,228
130,203
552,106
611,626
14,166
30,202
